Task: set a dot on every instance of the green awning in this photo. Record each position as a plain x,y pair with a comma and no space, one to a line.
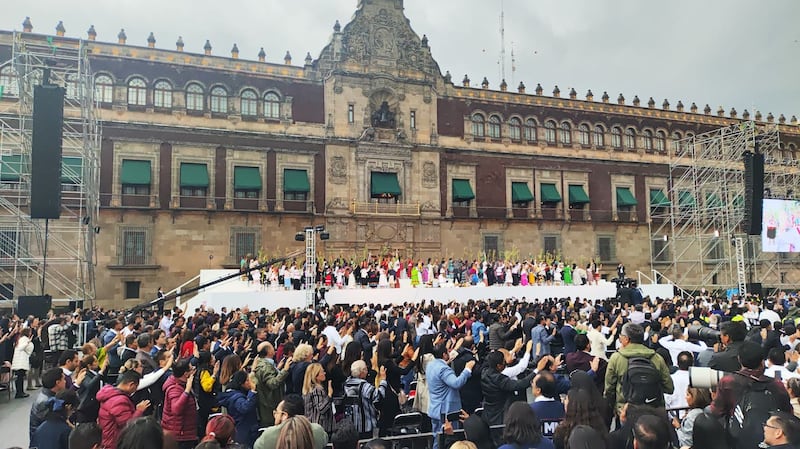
462,191
520,193
577,195
384,185
550,193
295,181
738,201
11,167
194,175
71,169
686,199
246,178
658,199
135,172
712,200
625,197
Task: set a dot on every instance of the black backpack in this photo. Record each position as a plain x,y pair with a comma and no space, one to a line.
754,407
641,383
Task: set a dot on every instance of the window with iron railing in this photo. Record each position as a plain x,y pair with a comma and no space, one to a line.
134,246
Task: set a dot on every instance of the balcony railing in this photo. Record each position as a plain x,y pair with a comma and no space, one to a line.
384,209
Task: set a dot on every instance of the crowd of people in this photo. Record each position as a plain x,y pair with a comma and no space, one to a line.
512,374
388,272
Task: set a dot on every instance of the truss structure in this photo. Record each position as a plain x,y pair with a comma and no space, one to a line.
700,240
56,258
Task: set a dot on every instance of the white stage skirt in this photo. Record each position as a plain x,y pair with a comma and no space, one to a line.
235,293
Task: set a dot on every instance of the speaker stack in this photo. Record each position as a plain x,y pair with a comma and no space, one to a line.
753,191
38,306
48,121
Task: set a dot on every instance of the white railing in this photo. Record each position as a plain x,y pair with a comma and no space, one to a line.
657,275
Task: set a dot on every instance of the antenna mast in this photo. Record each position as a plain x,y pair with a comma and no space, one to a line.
502,40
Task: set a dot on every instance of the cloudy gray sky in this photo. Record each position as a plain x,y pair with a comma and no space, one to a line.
730,53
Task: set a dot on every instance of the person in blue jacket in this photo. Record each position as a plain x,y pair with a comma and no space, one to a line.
241,402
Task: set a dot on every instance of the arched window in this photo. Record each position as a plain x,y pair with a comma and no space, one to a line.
494,127
162,94
8,80
219,100
616,137
530,130
249,104
104,89
272,105
599,136
566,134
195,97
137,92
515,129
661,141
630,138
550,131
478,125
583,135
792,151
648,139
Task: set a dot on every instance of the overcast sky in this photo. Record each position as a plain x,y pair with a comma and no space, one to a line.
731,53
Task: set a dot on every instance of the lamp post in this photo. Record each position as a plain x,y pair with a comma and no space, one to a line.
309,235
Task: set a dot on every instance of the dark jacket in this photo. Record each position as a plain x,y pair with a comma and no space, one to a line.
39,410
498,393
242,407
727,360
471,392
568,334
88,407
52,434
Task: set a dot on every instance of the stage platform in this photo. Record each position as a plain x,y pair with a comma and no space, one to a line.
236,293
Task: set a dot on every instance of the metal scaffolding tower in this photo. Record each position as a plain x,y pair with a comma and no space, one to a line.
70,255
696,239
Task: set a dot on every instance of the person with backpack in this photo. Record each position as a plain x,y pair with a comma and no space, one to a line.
360,398
636,374
746,398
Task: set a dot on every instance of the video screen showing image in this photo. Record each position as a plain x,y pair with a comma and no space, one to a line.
781,227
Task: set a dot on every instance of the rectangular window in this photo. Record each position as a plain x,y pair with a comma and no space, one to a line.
413,119
660,250
551,244
132,289
194,191
8,245
351,113
246,194
295,196
491,246
244,242
134,246
134,189
606,249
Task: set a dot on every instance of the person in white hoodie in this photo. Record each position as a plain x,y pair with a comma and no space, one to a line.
20,364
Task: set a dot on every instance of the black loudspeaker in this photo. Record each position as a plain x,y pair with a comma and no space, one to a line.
754,288
74,305
48,121
753,191
37,306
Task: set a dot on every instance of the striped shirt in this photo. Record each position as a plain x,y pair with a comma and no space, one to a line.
360,400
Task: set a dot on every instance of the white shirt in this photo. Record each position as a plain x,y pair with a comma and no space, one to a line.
678,397
165,324
513,371
637,317
334,339
675,347
785,373
769,315
598,343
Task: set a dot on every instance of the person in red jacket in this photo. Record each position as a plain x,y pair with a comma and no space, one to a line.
179,417
116,407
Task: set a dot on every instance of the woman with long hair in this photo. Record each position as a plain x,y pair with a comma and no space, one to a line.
582,380
390,405
522,429
230,364
317,398
579,410
186,344
206,387
425,354
296,433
